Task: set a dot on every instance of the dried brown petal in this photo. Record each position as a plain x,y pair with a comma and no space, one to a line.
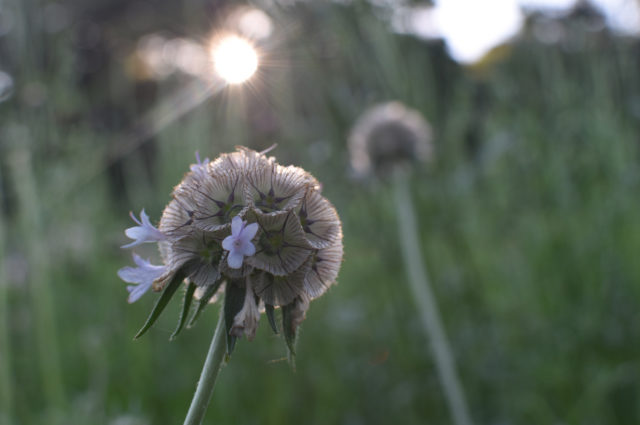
243,161
325,264
299,311
199,253
281,290
246,320
281,246
176,219
275,188
319,220
217,200
204,274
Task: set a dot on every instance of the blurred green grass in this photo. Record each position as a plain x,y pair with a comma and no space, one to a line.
528,218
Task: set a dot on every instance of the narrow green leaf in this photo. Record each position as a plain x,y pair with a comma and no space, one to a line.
162,302
290,331
186,304
271,316
233,302
209,292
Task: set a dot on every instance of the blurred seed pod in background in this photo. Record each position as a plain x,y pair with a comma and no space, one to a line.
388,135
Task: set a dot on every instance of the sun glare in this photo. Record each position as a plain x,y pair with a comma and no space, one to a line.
235,60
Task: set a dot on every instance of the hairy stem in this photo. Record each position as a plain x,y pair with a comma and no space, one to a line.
423,296
210,371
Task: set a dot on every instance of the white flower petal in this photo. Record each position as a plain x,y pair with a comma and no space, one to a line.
236,226
132,274
137,232
144,275
145,219
133,217
249,232
235,259
137,291
144,233
248,249
227,243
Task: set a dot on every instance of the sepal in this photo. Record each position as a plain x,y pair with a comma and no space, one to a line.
233,302
162,302
209,292
290,331
186,305
271,316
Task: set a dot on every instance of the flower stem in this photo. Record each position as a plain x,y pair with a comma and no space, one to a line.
423,296
208,376
6,387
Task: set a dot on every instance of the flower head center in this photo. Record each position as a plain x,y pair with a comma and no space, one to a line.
272,242
210,254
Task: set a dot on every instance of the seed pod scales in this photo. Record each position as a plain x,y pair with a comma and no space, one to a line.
247,221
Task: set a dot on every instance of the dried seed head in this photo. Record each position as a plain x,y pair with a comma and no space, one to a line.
388,135
243,219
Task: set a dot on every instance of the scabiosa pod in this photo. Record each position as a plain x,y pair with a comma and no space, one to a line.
245,229
387,135
248,227
382,142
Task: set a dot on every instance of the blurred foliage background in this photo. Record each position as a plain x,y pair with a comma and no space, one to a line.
528,214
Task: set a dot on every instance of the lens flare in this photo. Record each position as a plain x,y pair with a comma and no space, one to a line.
235,60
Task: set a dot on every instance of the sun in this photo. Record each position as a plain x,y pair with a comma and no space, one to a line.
235,60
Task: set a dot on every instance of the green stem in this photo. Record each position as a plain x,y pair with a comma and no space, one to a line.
208,376
427,307
6,387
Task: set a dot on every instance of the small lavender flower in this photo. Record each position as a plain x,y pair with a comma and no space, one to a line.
144,275
239,242
199,169
144,232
